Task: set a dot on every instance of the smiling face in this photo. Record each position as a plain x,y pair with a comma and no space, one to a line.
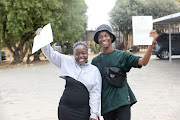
105,39
81,54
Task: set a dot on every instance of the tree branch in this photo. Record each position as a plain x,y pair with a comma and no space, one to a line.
23,39
26,49
3,38
11,39
27,45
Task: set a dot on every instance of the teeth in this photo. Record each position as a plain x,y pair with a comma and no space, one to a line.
105,42
81,60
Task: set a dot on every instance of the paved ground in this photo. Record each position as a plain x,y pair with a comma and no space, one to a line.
33,93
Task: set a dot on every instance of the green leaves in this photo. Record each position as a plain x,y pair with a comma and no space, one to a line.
159,8
121,14
21,18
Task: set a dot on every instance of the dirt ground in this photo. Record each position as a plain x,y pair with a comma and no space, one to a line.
6,64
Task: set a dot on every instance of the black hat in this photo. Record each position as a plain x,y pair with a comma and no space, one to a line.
103,27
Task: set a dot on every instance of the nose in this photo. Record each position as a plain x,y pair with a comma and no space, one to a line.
81,55
104,37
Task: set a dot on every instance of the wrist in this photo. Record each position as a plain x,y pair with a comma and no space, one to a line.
150,46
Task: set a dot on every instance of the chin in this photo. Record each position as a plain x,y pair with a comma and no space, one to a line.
81,63
105,46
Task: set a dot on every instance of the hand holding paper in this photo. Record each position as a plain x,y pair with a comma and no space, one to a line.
142,26
44,38
153,34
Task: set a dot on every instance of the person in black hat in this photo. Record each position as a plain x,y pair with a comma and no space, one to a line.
116,102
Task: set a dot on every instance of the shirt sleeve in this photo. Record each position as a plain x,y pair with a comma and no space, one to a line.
132,60
128,60
53,56
95,95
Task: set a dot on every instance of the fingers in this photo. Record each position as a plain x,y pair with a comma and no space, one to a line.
38,31
153,33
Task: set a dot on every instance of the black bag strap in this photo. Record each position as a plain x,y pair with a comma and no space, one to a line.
100,60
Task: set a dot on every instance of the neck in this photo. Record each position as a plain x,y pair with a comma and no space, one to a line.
108,50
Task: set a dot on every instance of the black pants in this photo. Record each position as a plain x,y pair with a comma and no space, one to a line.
122,113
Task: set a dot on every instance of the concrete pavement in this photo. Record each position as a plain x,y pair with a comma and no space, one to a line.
33,93
157,89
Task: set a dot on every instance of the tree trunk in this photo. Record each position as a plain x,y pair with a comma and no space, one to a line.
125,41
28,58
36,56
17,58
18,52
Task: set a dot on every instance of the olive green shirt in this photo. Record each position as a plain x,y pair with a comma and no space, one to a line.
113,97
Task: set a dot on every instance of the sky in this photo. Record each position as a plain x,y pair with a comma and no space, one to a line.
98,11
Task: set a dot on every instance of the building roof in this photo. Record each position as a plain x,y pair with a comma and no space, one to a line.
169,19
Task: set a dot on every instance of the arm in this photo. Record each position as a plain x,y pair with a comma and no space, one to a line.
95,96
53,56
145,59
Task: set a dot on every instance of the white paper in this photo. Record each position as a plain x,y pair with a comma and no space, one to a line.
142,25
44,38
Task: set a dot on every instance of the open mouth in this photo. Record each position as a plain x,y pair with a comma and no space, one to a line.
82,60
105,42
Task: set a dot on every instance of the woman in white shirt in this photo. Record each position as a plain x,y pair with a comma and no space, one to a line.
82,94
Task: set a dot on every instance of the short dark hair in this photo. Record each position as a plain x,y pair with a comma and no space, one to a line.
78,44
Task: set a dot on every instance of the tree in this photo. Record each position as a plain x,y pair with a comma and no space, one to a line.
160,8
121,16
73,21
20,19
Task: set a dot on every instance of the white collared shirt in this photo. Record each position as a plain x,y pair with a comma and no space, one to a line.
86,73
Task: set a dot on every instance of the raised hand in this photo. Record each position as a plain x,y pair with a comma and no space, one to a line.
38,31
153,34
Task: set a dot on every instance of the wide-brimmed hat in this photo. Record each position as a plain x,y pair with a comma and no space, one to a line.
103,27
